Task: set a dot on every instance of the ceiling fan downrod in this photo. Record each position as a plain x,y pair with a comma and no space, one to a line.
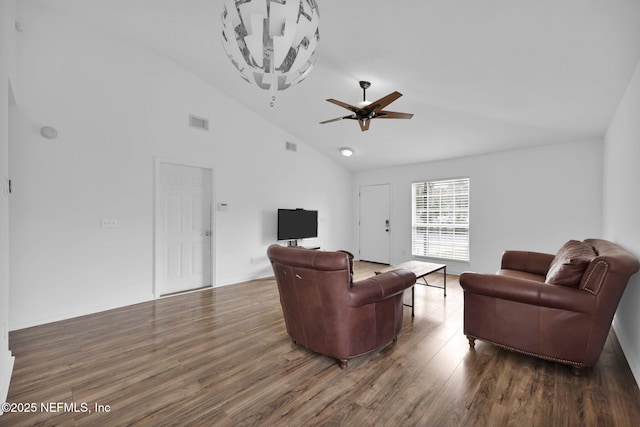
364,85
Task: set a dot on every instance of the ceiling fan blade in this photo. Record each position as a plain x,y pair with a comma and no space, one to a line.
392,115
383,102
343,104
337,118
364,124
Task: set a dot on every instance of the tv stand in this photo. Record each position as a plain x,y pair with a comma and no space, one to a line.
294,244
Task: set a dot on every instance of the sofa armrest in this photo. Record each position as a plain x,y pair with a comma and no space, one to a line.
530,262
529,292
380,287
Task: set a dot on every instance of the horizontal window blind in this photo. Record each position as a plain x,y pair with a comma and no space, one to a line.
440,219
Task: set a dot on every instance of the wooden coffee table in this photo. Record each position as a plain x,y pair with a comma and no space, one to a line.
421,270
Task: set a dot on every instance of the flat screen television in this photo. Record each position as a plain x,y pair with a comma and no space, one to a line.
297,224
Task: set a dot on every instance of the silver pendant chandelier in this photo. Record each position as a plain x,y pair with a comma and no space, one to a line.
272,43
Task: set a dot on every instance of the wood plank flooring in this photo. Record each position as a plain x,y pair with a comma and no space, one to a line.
222,357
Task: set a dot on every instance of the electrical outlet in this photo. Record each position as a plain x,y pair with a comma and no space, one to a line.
109,223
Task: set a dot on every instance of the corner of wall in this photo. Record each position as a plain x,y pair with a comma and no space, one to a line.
7,98
620,212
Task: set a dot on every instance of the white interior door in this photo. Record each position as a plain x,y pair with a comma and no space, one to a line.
375,228
184,228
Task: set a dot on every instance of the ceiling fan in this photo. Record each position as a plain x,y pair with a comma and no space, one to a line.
365,111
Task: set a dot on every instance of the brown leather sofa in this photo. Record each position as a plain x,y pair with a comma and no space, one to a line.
328,313
556,307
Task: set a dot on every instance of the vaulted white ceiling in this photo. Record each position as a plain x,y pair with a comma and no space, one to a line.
478,75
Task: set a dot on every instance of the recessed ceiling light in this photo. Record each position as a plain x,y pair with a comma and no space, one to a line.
346,151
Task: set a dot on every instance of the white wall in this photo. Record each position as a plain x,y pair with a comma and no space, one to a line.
622,210
116,107
7,76
533,199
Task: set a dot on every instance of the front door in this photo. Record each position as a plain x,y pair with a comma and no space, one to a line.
375,227
183,221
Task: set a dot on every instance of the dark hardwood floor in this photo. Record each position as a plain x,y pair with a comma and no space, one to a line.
222,357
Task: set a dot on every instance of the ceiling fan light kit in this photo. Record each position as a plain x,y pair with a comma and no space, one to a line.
271,43
367,111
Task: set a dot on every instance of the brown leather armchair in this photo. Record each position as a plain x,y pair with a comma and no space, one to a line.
328,313
556,307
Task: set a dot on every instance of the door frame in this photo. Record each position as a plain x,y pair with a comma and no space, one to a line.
157,162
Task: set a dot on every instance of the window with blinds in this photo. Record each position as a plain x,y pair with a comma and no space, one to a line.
440,219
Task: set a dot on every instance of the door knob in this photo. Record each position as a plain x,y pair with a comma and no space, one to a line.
207,233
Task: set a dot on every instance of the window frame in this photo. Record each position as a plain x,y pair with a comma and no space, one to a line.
447,250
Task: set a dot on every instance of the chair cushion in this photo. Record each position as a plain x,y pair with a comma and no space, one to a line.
570,263
521,275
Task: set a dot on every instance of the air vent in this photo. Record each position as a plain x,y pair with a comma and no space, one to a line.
291,146
198,122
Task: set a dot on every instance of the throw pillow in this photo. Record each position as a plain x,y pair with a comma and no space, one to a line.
569,264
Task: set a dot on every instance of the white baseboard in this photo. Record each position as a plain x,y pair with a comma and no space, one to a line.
5,376
77,310
625,344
